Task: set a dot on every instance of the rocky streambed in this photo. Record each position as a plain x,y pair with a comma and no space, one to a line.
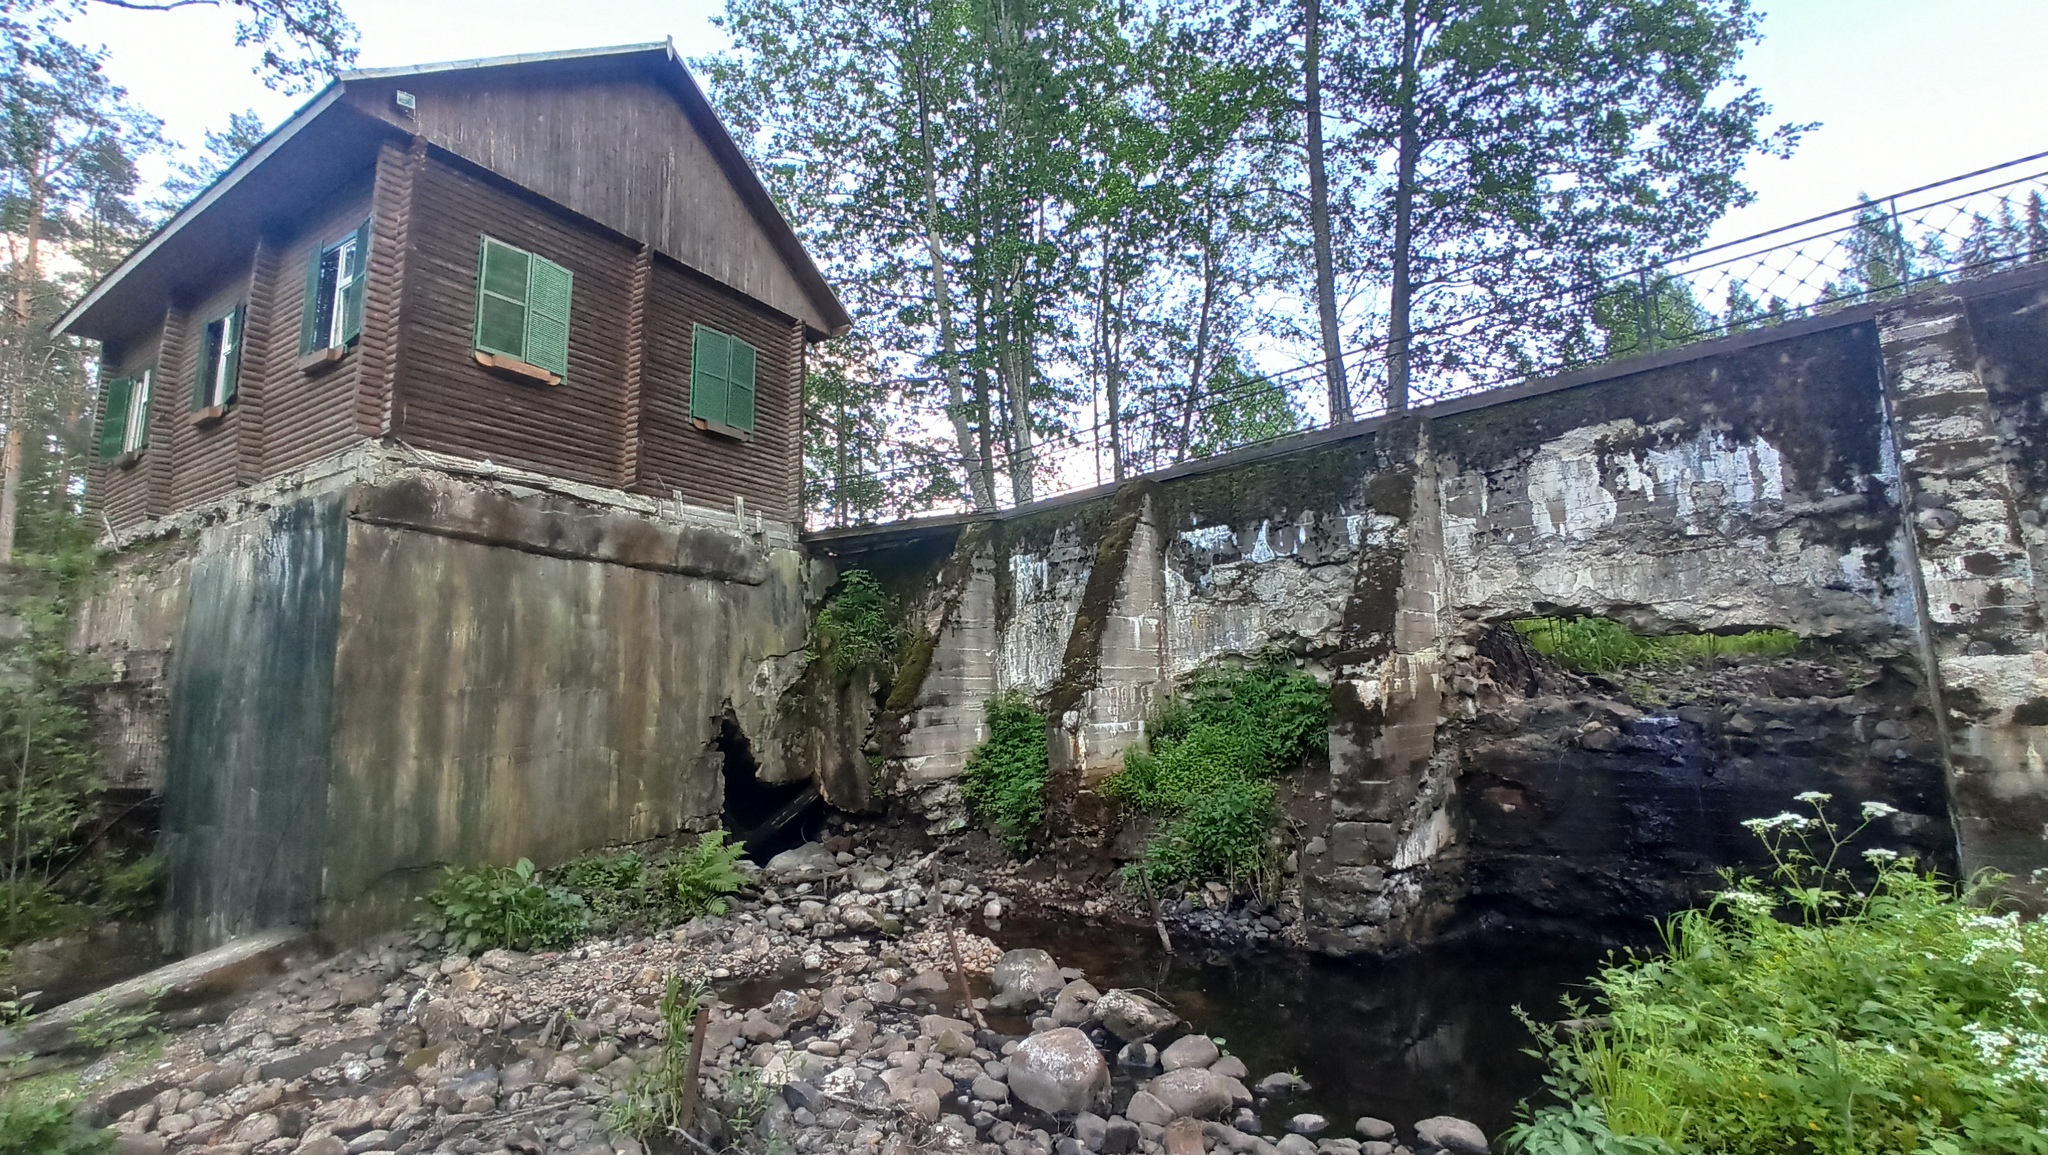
853,1011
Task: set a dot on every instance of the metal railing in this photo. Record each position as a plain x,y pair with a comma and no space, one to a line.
1968,225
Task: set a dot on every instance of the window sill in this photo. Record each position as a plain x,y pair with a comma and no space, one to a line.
127,460
208,417
718,430
321,360
514,367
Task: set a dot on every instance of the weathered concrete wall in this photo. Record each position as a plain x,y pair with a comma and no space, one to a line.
396,668
1872,481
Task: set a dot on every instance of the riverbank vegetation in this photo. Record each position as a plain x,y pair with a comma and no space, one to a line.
1003,783
1818,1010
1205,777
1597,645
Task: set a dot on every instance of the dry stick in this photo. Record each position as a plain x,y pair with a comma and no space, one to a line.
1158,920
962,1000
686,1114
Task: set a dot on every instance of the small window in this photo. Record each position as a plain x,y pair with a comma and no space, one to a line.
124,418
522,307
335,273
220,360
721,380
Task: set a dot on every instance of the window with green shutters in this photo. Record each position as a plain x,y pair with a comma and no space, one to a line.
721,379
124,415
335,276
220,360
522,307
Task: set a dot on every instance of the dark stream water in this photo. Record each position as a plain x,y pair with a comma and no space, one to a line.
1428,1033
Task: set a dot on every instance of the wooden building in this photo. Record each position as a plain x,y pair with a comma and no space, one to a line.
560,263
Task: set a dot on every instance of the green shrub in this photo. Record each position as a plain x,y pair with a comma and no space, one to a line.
1004,780
612,886
698,880
48,1129
853,628
1596,645
651,1103
1814,1013
505,906
1214,750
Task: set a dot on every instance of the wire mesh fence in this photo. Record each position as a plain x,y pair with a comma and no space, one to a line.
1980,222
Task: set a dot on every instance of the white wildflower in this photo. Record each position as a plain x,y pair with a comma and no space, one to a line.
1746,900
2026,996
1811,797
1873,810
1787,819
1878,855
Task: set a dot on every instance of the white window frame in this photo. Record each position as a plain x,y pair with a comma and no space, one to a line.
137,419
230,343
334,308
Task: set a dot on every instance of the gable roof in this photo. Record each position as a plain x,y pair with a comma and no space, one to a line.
336,134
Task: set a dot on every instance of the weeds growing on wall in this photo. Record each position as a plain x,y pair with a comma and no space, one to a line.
853,627
617,890
1214,750
1004,781
1814,1012
613,886
482,907
1597,645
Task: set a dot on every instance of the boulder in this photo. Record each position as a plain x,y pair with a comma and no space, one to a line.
1190,1051
1120,1136
1446,1133
1059,1072
1138,1056
810,859
1193,1093
1145,1107
1295,1145
1022,977
1308,1123
1075,1004
1279,1083
1132,1017
1375,1130
1230,1067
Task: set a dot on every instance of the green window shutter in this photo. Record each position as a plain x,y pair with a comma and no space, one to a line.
232,334
502,273
358,270
202,373
739,405
309,316
114,416
547,317
710,355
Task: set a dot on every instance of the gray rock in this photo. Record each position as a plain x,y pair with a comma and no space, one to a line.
1059,1072
991,1090
1376,1147
1138,1056
1279,1083
1145,1107
1022,977
1295,1145
1091,1129
1132,1017
1230,1067
1375,1130
808,859
1308,1123
1075,1004
1120,1137
1446,1133
1190,1051
1193,1093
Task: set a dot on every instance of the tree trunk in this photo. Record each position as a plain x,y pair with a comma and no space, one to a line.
1112,358
1399,329
25,276
1198,367
1319,214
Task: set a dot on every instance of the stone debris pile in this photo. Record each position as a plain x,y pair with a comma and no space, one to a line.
837,1026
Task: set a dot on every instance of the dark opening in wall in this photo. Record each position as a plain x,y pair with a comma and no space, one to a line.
765,817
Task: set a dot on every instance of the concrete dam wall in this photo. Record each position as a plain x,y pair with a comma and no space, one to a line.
1870,480
346,678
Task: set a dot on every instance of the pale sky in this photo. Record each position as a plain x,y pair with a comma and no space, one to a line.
1908,91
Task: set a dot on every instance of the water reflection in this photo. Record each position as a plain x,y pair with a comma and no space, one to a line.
1426,1034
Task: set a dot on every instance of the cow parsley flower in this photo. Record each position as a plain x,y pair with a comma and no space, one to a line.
1872,810
1811,797
1878,855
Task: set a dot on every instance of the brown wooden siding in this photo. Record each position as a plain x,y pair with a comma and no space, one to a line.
306,418
202,458
255,387
674,454
121,496
445,400
391,239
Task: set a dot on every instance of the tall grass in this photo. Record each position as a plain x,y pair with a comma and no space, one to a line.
1596,645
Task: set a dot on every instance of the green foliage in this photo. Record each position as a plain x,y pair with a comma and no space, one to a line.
613,887
1597,645
1214,750
1814,1013
100,1026
505,906
48,1129
747,1096
697,882
1004,781
853,628
651,1103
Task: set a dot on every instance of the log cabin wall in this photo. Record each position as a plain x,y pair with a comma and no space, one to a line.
119,495
202,455
710,469
307,416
